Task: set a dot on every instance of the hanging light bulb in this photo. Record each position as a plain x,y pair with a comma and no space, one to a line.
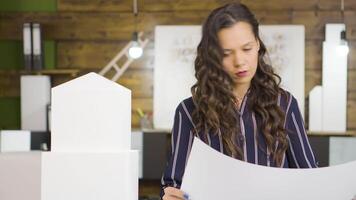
343,47
135,50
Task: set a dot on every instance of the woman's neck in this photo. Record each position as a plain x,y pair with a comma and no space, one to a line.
240,91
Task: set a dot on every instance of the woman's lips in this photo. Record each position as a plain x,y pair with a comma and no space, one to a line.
242,73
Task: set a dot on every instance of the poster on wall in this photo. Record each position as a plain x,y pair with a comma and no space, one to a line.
175,52
286,45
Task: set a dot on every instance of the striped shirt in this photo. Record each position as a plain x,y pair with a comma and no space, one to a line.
298,155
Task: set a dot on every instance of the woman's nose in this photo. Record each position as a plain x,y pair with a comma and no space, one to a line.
239,59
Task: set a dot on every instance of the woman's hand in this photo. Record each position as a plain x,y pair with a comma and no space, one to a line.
171,193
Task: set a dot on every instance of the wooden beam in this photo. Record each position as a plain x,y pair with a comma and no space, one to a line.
95,5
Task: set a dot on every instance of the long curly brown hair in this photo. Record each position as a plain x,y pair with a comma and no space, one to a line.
213,92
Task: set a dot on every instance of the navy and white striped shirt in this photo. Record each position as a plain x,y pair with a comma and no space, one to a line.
298,155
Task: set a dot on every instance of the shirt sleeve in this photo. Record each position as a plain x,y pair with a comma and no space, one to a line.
181,142
299,152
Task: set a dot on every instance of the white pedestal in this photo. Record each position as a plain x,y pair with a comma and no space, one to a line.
69,176
35,96
316,109
20,176
15,140
91,114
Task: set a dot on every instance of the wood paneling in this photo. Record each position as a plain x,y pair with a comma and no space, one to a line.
139,81
197,5
180,5
119,26
313,54
352,81
352,54
255,5
312,79
95,5
351,115
315,22
98,54
350,24
93,26
336,5
70,25
9,85
277,5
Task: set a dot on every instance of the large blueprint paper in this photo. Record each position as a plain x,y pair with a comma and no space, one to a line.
210,175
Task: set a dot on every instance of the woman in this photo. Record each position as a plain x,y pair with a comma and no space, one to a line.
237,106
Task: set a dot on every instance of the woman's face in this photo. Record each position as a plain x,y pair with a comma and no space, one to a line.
240,49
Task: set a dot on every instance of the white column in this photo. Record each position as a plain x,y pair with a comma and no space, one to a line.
35,96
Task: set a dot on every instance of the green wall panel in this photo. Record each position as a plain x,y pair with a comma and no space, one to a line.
10,113
12,56
50,54
28,5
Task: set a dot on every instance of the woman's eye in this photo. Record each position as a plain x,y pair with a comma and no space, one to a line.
226,54
247,49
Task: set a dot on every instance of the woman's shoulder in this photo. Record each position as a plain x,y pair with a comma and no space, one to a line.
187,106
286,99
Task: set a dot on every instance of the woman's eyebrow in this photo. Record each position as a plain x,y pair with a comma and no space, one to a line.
244,45
248,43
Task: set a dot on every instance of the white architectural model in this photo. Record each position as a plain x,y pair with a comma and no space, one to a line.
35,96
330,102
90,158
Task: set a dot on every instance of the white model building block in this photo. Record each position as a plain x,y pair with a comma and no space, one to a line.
90,176
315,109
137,144
20,176
334,81
342,150
69,176
35,96
91,114
15,140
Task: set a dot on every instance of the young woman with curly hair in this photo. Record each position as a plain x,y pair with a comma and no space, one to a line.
237,106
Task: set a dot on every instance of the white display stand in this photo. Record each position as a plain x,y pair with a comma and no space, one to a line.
342,150
331,99
91,113
15,140
91,157
35,96
137,144
316,109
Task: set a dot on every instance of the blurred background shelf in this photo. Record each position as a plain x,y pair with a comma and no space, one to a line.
71,72
351,133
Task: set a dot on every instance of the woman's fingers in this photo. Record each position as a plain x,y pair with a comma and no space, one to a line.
174,193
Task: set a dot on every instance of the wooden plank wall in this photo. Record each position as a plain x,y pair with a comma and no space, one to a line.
90,32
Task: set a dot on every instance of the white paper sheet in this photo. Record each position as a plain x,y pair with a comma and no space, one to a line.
210,175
